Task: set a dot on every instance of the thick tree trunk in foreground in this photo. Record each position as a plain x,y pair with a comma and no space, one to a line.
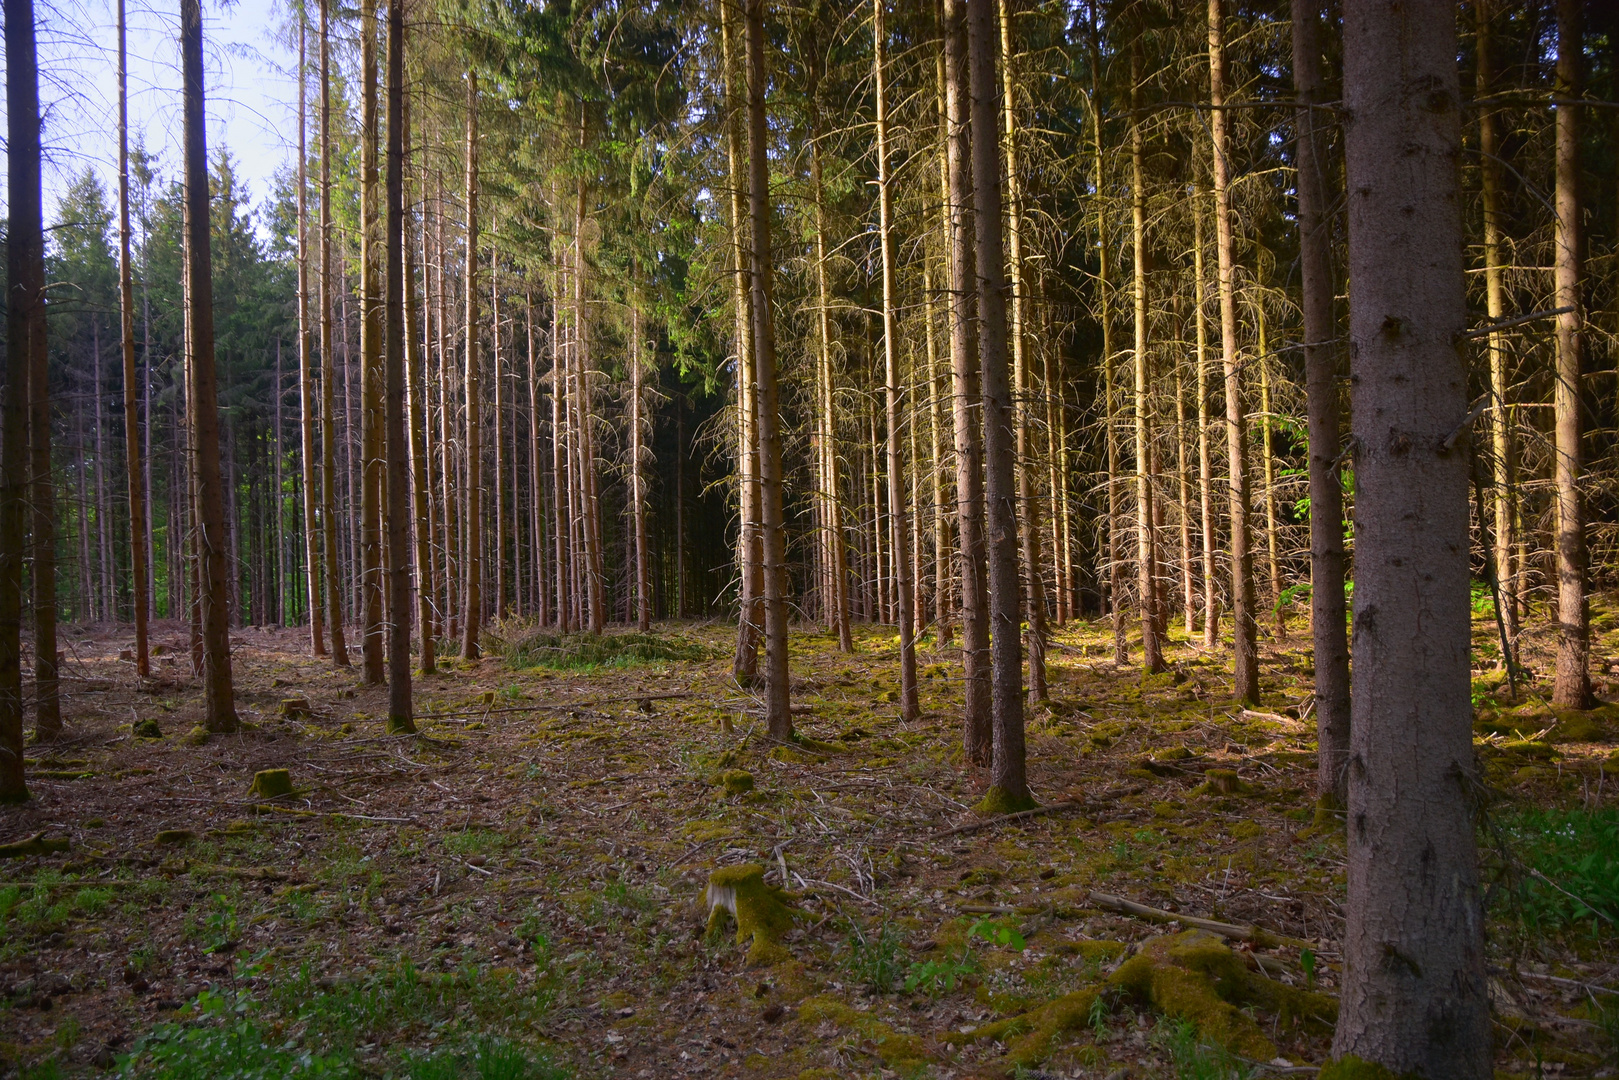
25,336
472,624
140,551
1414,997
1244,627
773,531
1572,687
1327,629
328,362
904,584
398,451
1009,788
306,382
977,716
212,546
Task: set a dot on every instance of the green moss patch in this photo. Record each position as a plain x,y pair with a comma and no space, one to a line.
761,911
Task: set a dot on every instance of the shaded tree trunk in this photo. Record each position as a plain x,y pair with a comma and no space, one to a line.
773,546
373,454
1009,788
904,584
25,337
1414,996
1205,457
398,451
213,544
1152,646
328,365
1327,606
472,623
306,383
140,552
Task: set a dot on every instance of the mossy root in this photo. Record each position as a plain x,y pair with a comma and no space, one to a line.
761,911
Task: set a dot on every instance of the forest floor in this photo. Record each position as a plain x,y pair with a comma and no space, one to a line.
518,892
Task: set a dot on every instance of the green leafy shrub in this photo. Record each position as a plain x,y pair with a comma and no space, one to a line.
1563,866
873,960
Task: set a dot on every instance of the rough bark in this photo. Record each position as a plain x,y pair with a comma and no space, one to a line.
773,546
397,450
1414,994
1009,788
213,544
25,336
643,581
1328,632
421,476
1205,458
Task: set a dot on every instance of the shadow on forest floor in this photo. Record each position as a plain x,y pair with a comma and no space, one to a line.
518,892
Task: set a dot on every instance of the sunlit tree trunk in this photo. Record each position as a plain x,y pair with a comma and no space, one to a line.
1205,456
498,487
328,363
1571,688
1267,448
977,718
1504,452
1152,647
1028,501
537,503
421,475
1245,649
1183,486
214,554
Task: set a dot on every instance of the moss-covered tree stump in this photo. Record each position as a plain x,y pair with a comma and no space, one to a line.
271,783
761,911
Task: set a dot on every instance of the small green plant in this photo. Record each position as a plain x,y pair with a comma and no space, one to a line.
92,901
1096,1019
475,842
997,933
940,976
1194,1060
221,923
1564,865
1307,962
873,960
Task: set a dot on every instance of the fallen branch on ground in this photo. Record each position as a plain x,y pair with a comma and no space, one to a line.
1252,934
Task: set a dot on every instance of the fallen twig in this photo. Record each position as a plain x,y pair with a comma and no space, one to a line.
1252,934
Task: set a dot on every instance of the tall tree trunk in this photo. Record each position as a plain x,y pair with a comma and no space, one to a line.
1414,996
745,665
1205,456
25,337
421,475
909,707
773,545
536,473
398,451
213,550
942,600
328,366
1571,689
1028,502
590,483
1245,647
1009,788
472,623
1152,646
1327,605
1504,452
1268,453
498,488
1183,487
1114,588
140,551
977,716
306,347
643,583
373,465
831,502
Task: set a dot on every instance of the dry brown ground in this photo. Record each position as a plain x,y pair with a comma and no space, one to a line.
533,867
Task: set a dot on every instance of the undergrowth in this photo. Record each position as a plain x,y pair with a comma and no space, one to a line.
1562,866
527,648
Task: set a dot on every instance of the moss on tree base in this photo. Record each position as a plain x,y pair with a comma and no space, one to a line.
997,800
